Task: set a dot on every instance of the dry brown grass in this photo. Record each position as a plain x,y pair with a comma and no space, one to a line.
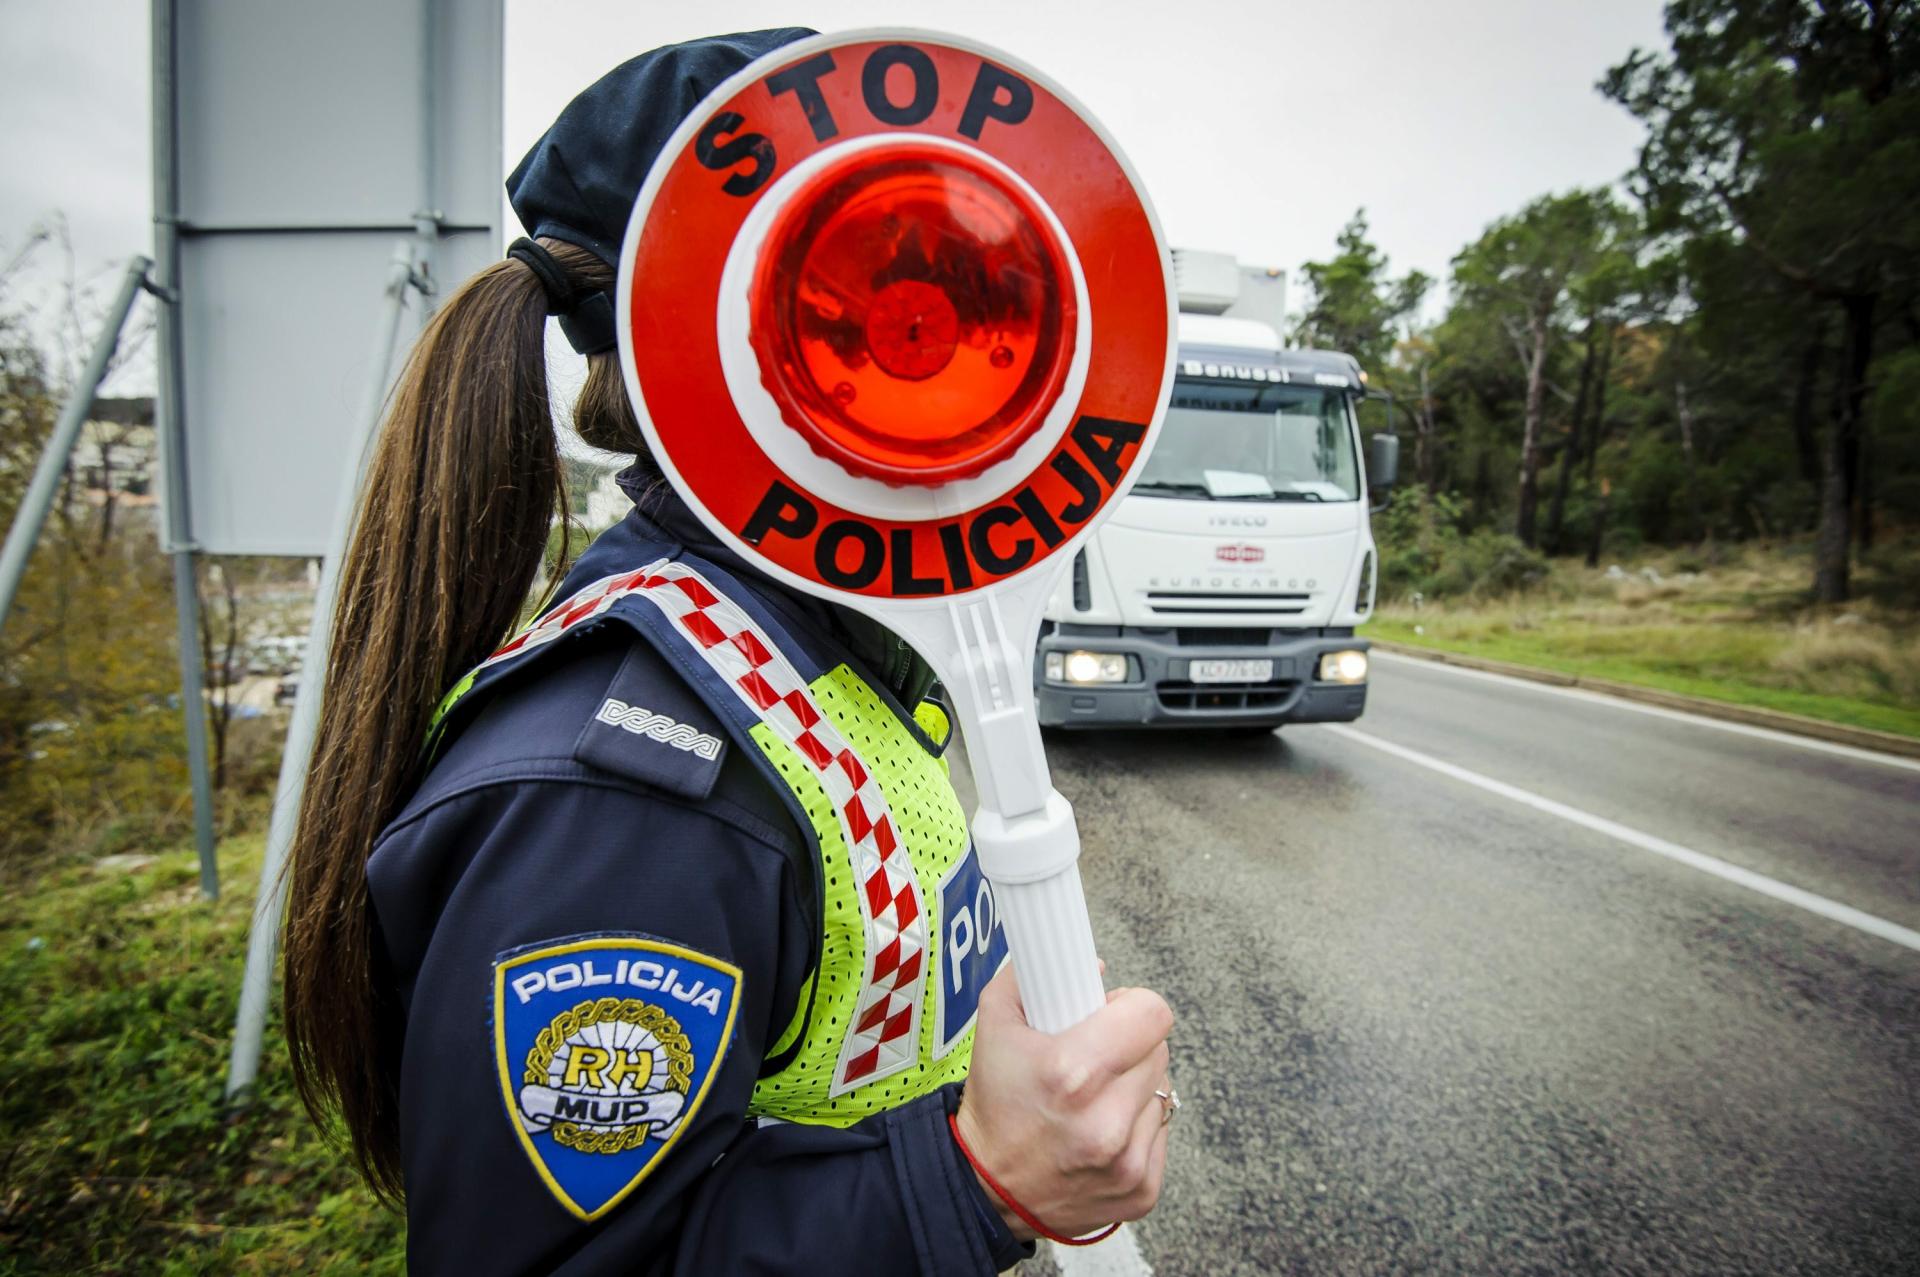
1848,655
1733,624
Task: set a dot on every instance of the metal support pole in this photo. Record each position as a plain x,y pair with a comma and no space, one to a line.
171,440
193,698
256,986
31,517
427,217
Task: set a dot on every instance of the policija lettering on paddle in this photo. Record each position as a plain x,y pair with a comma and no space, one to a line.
854,552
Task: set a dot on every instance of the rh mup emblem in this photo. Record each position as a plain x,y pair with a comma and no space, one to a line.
605,1047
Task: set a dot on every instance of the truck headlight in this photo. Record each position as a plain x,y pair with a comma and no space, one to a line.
1086,667
1343,667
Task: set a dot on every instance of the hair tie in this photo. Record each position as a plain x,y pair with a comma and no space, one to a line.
585,314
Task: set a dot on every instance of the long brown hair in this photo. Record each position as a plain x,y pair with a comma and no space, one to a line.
450,535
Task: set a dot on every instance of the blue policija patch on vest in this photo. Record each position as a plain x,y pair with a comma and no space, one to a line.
971,951
606,1046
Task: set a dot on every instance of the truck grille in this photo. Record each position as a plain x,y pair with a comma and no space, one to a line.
1171,603
1180,696
1221,636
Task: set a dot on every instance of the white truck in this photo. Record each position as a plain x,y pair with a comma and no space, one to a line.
1225,590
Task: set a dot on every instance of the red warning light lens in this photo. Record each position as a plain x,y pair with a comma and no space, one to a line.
913,314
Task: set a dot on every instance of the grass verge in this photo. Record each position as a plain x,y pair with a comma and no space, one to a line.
113,1047
1738,632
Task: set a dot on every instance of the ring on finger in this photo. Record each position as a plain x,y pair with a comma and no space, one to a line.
1169,1103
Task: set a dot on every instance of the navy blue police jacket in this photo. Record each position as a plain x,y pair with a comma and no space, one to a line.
530,828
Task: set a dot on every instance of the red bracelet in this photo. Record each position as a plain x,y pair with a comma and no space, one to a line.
953,1120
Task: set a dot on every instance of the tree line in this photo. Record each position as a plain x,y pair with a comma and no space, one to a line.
1726,348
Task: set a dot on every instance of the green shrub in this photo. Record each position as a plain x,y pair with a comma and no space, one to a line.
1488,564
1413,535
92,744
1422,549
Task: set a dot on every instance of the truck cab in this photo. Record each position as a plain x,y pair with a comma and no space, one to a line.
1226,589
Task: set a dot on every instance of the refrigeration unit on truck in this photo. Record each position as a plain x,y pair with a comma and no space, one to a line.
1226,589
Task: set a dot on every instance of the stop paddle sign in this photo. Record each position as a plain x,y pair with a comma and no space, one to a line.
897,320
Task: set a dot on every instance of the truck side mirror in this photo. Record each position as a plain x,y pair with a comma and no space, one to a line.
1383,461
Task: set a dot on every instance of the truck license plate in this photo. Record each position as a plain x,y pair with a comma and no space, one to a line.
1231,671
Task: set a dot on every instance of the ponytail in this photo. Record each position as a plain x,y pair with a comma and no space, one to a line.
450,534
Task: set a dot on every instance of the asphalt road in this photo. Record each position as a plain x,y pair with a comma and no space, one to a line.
1607,996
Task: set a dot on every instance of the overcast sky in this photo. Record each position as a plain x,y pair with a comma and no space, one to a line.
1257,127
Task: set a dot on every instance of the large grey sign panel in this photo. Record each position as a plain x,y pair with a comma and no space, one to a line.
309,136
276,377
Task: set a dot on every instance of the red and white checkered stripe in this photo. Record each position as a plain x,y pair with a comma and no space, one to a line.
883,1035
587,603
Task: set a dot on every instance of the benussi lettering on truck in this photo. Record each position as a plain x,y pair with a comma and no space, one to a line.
1226,590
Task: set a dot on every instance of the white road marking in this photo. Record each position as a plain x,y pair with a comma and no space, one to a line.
1661,711
1846,915
1118,1256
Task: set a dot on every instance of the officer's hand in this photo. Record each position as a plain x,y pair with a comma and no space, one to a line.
1068,1123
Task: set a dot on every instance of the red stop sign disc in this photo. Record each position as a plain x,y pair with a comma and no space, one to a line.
897,315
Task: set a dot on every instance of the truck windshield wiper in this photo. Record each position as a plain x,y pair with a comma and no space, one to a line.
1162,485
1276,495
1202,490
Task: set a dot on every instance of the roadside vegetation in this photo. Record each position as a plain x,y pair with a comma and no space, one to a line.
1727,622
119,1156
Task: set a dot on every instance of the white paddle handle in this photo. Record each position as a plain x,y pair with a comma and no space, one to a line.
1032,860
1024,830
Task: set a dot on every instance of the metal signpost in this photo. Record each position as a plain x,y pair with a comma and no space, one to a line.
314,167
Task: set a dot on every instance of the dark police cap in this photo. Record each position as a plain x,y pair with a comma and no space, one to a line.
578,183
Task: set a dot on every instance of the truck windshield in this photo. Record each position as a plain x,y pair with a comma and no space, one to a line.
1269,442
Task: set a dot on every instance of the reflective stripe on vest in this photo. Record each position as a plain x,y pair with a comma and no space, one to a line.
886,823
883,1035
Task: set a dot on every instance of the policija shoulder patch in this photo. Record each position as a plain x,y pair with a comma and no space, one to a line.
606,1046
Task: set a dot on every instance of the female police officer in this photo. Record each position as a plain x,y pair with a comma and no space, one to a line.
576,949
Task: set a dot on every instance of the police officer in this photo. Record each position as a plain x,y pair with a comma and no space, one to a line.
650,938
